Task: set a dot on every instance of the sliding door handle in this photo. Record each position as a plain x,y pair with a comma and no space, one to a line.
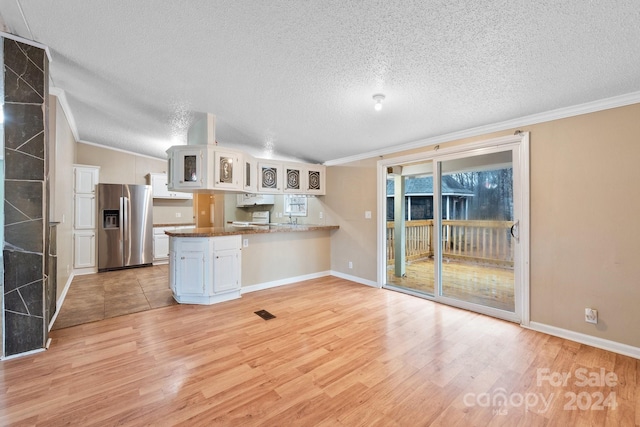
515,231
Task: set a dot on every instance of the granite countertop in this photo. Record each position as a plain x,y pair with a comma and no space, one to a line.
182,224
252,229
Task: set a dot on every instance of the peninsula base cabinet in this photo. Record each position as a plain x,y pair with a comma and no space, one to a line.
204,270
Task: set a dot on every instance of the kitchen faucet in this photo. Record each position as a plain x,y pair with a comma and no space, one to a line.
293,221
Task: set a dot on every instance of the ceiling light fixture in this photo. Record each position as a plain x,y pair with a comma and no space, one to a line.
378,98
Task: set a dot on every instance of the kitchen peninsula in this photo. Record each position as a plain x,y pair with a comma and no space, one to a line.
211,265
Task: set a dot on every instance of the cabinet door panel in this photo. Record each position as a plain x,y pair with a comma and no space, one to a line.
85,179
159,186
293,179
190,277
226,264
270,177
84,212
249,174
315,180
84,246
188,167
160,247
228,170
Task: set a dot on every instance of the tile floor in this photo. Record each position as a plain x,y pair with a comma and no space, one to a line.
99,296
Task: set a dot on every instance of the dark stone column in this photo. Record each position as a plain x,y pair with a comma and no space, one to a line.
26,226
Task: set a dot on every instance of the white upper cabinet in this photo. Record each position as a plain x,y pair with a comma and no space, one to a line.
228,170
160,189
203,165
189,167
314,180
249,171
270,177
85,179
301,178
293,178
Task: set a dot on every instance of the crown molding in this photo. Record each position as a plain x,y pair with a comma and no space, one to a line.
66,109
560,113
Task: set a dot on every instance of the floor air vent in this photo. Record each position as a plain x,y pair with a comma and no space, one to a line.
265,314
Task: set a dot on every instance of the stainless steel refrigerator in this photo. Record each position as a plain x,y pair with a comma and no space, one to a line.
125,226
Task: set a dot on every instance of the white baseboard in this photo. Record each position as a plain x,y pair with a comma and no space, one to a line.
282,282
83,271
355,279
60,300
601,343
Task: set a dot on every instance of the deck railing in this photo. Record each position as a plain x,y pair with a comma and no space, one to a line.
487,242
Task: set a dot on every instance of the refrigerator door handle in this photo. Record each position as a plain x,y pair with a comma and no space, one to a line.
127,232
121,220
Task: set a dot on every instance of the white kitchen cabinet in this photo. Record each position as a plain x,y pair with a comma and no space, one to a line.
160,248
84,215
249,171
160,189
314,180
227,168
293,178
270,178
192,267
301,178
188,168
84,249
85,179
226,264
194,168
205,270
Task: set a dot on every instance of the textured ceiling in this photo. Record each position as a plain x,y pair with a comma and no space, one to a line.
299,76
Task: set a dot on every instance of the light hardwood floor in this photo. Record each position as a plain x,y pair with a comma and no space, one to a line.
337,354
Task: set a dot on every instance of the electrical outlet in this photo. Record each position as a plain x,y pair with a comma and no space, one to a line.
591,315
245,243
350,264
367,214
178,214
321,215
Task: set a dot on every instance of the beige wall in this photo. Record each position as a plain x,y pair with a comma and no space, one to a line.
117,167
351,190
584,221
61,158
277,256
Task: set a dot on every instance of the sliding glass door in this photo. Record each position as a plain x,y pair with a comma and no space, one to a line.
477,246
409,228
453,228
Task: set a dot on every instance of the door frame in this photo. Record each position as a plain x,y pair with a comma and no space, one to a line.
522,163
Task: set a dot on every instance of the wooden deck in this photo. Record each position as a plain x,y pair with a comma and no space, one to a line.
486,285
